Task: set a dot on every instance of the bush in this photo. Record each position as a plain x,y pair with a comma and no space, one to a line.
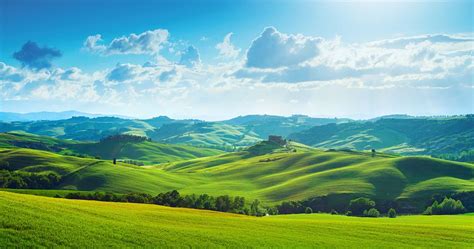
357,206
308,210
392,213
349,213
371,213
334,212
447,206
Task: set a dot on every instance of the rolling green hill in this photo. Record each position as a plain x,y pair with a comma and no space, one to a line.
33,221
144,151
207,134
407,136
265,125
227,135
274,177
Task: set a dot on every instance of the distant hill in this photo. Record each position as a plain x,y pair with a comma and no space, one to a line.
445,137
272,177
143,151
227,135
265,125
407,136
33,116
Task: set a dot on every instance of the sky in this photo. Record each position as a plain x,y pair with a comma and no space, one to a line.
215,60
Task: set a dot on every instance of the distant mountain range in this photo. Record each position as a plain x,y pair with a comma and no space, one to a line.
449,137
33,116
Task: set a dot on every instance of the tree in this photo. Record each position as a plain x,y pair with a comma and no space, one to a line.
223,203
447,206
256,209
372,213
308,210
357,206
392,213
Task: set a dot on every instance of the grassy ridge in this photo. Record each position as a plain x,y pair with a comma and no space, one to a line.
32,221
272,177
407,136
145,151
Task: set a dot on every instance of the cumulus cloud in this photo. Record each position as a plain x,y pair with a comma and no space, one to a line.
10,74
190,57
124,72
273,49
35,57
227,49
148,42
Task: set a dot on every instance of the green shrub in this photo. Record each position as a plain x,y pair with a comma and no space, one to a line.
308,210
357,206
392,213
333,212
447,206
371,213
349,213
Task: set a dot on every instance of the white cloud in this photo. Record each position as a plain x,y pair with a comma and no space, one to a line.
300,74
148,42
273,49
190,57
227,49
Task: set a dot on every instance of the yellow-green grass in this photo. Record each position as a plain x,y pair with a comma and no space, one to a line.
34,221
272,178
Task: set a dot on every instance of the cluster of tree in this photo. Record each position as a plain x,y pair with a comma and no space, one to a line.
447,206
363,207
13,179
122,138
223,203
134,162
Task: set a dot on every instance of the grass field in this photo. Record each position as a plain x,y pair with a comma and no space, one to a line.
33,221
272,177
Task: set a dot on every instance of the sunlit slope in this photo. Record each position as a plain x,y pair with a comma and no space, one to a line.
33,221
273,177
295,176
147,152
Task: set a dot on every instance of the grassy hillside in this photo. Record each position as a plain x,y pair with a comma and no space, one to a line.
145,151
32,221
265,125
408,136
272,177
207,134
228,135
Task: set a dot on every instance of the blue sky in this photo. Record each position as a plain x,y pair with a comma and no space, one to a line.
320,58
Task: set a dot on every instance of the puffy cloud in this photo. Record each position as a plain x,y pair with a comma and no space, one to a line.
124,72
148,42
190,57
273,49
227,49
422,61
10,74
32,56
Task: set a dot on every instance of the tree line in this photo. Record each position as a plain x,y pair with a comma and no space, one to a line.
25,180
222,203
124,138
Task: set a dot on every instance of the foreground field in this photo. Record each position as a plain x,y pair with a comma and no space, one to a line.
34,221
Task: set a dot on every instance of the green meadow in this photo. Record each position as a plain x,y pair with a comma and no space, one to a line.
272,176
34,221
